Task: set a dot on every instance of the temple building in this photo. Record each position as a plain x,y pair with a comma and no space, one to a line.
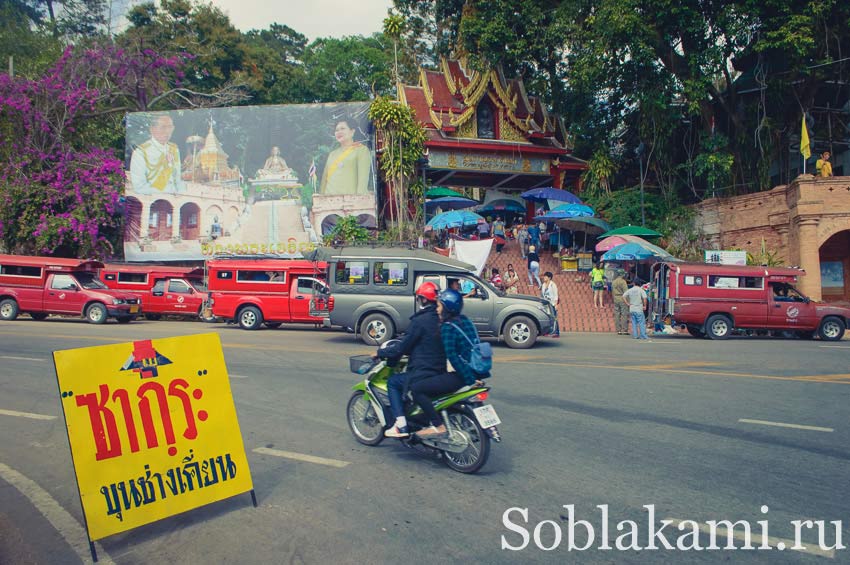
485,131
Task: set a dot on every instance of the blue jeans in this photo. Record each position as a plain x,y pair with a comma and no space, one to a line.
395,390
534,271
638,325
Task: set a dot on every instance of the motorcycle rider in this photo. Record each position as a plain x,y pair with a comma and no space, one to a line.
426,357
458,350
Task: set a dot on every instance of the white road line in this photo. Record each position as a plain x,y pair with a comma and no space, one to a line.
58,517
302,457
756,540
783,425
238,376
835,346
22,358
26,415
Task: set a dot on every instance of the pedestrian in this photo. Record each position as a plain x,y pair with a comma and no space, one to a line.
533,265
533,236
511,280
496,278
483,229
522,238
621,310
597,283
635,297
550,294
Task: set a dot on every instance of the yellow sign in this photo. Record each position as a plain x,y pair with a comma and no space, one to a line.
152,428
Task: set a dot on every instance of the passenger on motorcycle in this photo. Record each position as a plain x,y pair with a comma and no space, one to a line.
454,326
425,354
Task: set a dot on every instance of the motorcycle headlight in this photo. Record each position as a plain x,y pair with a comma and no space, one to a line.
118,301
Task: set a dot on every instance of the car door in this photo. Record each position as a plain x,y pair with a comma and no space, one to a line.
790,310
156,301
64,296
301,296
478,306
178,297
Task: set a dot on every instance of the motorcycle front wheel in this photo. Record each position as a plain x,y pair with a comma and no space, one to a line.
363,421
478,449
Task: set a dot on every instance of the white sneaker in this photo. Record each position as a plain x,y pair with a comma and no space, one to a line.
397,433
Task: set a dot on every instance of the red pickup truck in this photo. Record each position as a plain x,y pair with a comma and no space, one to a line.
253,292
40,286
162,289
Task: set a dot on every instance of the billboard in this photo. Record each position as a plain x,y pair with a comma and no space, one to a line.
245,180
152,428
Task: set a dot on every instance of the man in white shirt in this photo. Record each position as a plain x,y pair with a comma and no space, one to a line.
550,294
635,297
155,164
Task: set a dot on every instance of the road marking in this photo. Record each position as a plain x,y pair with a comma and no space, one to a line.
238,376
811,379
835,346
755,539
678,365
783,425
29,415
302,457
65,524
21,358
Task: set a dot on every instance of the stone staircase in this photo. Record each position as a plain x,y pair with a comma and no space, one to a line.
576,312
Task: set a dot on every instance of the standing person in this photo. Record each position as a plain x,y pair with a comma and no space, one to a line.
511,280
533,265
496,278
457,337
533,236
823,166
597,283
483,229
522,238
550,294
426,355
635,297
499,234
621,310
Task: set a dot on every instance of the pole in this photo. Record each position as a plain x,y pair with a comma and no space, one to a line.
642,211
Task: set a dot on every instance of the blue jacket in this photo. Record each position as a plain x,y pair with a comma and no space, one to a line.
421,343
458,348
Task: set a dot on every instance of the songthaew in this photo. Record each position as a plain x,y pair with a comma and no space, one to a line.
40,286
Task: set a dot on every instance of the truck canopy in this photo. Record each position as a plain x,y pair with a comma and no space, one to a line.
333,254
782,274
53,264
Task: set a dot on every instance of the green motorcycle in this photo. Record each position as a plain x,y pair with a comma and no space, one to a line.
470,422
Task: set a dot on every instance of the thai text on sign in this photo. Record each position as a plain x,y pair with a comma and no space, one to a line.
152,428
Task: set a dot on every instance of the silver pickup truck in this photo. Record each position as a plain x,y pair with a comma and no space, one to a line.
373,295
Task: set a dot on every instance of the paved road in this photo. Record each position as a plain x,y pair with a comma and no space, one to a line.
686,425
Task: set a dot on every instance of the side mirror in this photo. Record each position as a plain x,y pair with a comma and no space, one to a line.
807,299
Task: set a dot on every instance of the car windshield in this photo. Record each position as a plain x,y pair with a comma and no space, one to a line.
89,281
198,285
489,286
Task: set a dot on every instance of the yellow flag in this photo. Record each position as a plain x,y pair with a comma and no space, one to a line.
805,148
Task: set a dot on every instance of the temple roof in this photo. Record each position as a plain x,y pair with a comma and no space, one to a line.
445,102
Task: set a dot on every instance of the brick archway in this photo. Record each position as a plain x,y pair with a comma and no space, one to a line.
834,256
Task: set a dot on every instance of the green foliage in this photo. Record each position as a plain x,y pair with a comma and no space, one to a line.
601,168
683,237
622,207
347,230
714,164
765,257
348,69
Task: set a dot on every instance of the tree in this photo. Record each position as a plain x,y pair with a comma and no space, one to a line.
348,69
276,65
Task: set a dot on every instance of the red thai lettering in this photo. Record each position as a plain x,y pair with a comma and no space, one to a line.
178,388
123,397
147,418
103,425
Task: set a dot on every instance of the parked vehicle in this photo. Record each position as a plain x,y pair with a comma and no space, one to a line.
162,289
373,291
713,300
253,292
40,286
470,422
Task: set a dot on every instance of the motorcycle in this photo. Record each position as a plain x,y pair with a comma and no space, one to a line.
471,423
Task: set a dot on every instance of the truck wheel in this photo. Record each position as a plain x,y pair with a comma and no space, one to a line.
520,332
375,329
38,315
8,310
696,331
96,313
250,318
831,329
718,326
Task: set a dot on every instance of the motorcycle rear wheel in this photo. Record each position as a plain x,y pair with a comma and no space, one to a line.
478,451
363,421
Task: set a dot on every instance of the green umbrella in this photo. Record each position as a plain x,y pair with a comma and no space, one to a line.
639,231
440,192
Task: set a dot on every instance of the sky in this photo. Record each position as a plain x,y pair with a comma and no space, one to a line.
313,18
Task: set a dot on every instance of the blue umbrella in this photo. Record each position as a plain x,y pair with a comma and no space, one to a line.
635,251
566,211
453,219
450,203
549,193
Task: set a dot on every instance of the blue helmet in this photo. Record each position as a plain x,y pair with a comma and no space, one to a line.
451,300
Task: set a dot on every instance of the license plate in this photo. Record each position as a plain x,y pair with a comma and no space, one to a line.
134,309
486,416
